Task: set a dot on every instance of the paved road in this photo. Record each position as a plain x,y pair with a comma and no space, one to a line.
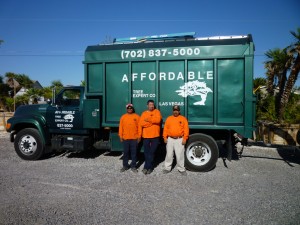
263,187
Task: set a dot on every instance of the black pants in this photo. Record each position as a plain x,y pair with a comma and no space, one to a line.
129,147
150,146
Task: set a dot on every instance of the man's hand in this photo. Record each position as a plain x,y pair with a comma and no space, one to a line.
121,139
183,141
138,140
166,140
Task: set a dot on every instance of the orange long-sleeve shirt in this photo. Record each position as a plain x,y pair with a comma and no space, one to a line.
128,128
151,127
176,127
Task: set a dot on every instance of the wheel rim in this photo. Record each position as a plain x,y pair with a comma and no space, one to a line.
198,153
28,145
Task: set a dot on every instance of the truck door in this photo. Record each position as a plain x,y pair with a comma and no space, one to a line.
66,115
91,113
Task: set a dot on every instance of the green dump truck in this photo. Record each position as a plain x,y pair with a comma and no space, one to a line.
210,78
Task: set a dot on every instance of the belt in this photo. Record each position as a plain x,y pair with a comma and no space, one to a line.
175,137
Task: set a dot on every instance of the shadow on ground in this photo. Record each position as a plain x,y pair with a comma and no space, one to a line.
88,154
288,154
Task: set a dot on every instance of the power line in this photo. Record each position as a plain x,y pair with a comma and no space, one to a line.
33,55
144,20
41,55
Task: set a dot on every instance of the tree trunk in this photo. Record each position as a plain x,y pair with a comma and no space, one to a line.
289,86
270,82
278,96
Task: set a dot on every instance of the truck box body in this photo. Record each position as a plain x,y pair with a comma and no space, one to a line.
211,80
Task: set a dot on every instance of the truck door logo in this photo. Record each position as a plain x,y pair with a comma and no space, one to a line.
193,88
69,118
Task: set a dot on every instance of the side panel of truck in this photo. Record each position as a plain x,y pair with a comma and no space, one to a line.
210,80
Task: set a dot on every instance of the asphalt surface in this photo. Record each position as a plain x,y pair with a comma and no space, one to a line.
262,187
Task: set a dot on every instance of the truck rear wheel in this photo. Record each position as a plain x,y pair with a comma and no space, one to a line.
201,153
28,144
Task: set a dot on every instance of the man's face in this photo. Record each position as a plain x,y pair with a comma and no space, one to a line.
176,113
129,110
150,106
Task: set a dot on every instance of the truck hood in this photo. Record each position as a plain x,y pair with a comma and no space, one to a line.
31,110
30,114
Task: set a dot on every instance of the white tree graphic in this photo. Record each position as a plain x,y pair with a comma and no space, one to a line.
193,88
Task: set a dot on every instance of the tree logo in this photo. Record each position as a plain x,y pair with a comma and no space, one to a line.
193,88
69,118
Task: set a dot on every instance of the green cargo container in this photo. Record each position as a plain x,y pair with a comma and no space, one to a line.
210,78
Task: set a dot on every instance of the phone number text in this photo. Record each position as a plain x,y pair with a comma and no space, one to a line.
145,53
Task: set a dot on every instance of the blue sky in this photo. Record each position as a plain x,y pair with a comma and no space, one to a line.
46,39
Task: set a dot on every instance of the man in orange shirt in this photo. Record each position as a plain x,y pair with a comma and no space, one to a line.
176,133
129,136
150,122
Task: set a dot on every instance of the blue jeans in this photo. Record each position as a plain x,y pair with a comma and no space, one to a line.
129,146
150,146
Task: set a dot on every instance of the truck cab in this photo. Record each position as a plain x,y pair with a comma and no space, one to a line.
61,124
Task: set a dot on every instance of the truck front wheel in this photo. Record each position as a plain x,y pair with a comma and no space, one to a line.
201,153
28,144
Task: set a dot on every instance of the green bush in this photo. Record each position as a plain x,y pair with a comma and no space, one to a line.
265,109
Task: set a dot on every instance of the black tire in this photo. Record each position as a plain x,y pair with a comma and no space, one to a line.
29,145
201,153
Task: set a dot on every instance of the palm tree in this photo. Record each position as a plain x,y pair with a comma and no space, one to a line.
22,100
47,92
270,76
56,83
22,79
9,75
33,93
258,82
294,52
278,66
4,88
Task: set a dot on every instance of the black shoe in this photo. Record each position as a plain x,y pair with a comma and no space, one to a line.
149,171
144,171
124,169
134,170
166,171
183,173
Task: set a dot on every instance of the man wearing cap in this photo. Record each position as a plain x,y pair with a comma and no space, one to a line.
129,136
176,133
150,131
